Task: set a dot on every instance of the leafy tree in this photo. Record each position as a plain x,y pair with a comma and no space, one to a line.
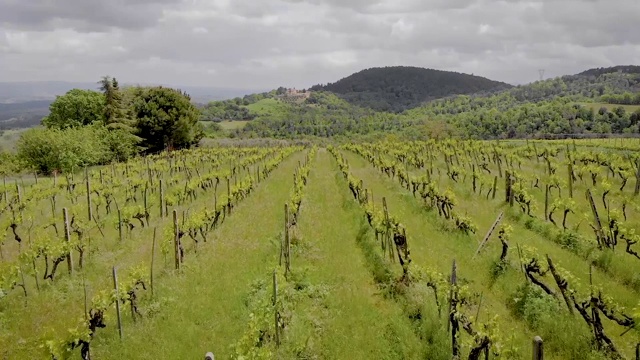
165,118
75,108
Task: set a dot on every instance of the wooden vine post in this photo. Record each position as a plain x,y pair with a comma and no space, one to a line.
453,305
491,230
153,257
538,348
228,196
287,240
570,170
67,238
162,207
558,281
89,210
598,228
115,287
275,307
176,239
546,202
386,242
119,225
4,184
507,187
19,193
637,189
495,185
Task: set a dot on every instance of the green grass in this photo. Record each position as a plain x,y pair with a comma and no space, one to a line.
353,320
232,125
268,107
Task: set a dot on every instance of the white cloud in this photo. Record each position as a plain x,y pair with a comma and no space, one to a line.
268,43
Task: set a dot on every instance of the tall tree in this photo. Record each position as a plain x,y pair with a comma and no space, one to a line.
113,111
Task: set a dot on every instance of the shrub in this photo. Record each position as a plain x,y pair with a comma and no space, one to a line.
46,150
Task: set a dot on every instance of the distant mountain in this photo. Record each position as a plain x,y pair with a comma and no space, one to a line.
398,88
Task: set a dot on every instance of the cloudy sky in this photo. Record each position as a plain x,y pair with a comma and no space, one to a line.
267,43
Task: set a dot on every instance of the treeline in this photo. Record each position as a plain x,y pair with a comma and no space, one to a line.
497,116
501,117
622,99
323,114
87,127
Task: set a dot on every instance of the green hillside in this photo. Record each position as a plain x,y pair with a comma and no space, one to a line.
564,105
398,88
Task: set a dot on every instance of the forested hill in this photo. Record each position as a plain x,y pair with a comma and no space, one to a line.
399,88
628,69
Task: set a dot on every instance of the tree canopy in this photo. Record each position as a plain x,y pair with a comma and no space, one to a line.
165,118
75,108
398,88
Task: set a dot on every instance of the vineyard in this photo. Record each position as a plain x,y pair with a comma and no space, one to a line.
389,250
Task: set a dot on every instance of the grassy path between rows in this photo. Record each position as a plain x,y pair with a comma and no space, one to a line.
203,309
352,320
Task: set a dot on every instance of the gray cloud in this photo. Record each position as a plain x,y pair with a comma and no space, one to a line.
267,43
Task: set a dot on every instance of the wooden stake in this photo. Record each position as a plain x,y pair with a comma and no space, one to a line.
4,183
507,186
570,170
19,190
176,239
115,287
89,208
275,307
452,293
162,209
84,289
538,349
491,229
153,257
546,202
495,185
637,189
119,225
67,237
229,196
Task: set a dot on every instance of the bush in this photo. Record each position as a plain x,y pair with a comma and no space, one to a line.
534,305
46,150
8,163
